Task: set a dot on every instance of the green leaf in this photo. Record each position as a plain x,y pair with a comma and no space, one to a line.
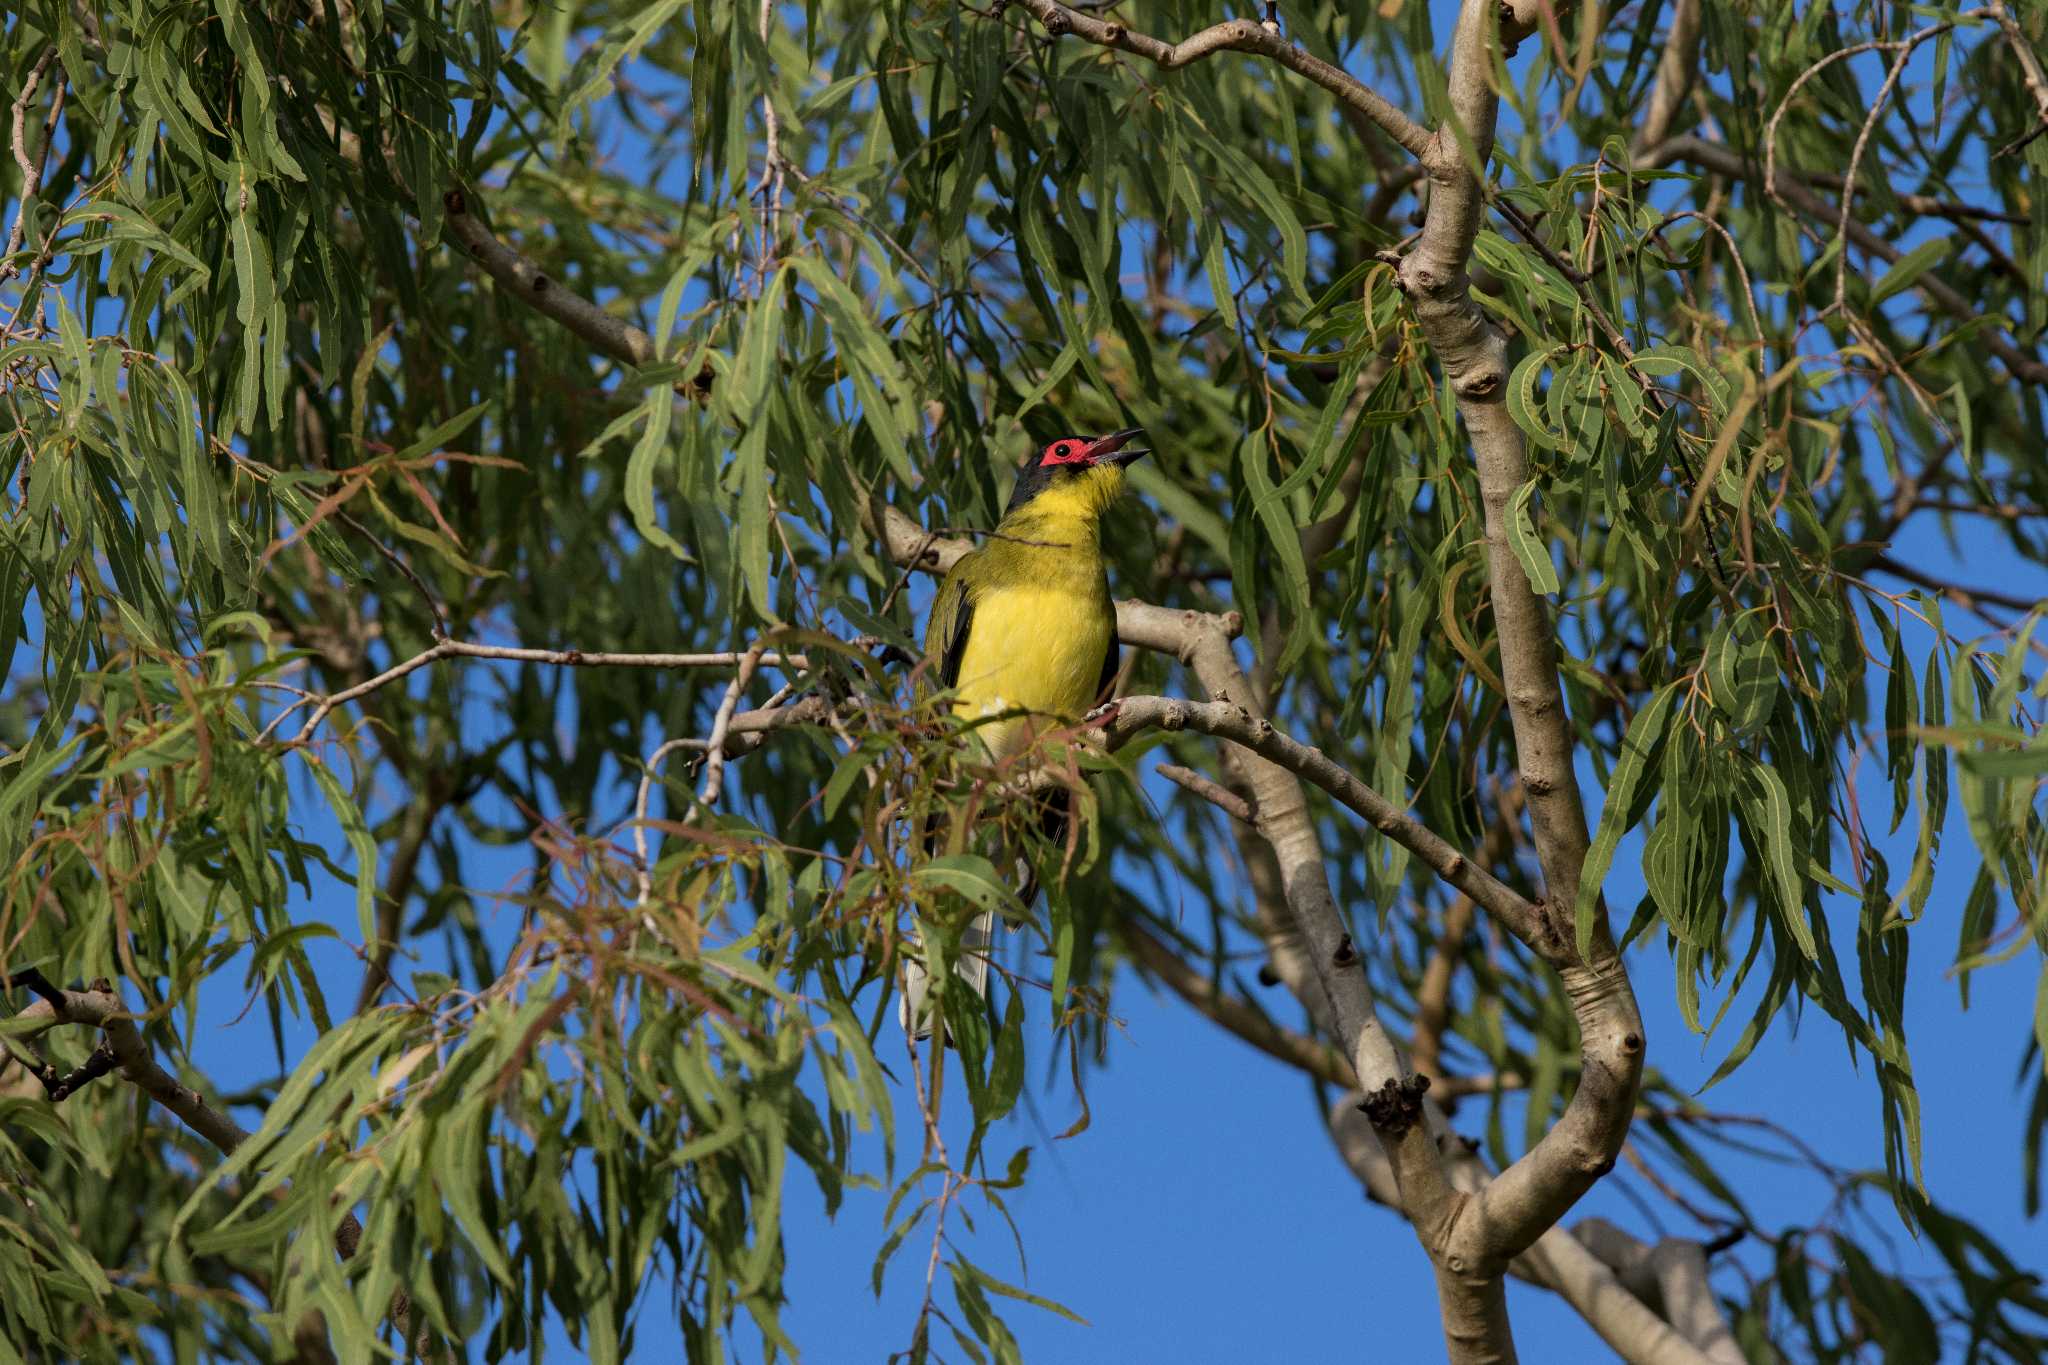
1909,268
1767,808
1529,549
353,828
970,876
1522,397
1741,672
1639,747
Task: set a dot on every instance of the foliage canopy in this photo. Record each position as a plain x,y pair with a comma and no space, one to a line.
373,371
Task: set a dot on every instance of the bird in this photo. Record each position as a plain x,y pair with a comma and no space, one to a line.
1022,632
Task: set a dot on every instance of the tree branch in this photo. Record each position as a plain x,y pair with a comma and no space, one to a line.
1512,1212
1671,1277
1241,1018
1969,598
31,165
1340,993
102,1009
1677,68
613,336
1210,790
1794,190
1237,723
567,658
2030,72
1236,35
399,879
1557,1262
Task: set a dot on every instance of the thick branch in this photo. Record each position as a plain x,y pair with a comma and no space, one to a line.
1511,1212
613,336
1671,1277
1237,35
1238,724
1341,994
1676,70
1558,1261
105,1011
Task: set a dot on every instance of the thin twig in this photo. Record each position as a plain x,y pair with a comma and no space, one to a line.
567,658
1967,597
2030,72
1212,791
31,166
1884,93
391,556
721,724
1237,35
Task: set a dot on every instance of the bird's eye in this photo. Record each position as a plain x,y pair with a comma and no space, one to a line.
1061,451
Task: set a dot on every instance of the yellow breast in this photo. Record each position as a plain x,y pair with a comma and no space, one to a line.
1034,648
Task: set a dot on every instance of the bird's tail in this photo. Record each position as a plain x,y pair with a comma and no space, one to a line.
913,1007
913,1010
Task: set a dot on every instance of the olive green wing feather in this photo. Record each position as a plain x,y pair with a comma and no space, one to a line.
945,633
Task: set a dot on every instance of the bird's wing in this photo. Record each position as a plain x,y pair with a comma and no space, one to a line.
1110,662
945,635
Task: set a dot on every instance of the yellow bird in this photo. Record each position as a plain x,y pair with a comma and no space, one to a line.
1023,631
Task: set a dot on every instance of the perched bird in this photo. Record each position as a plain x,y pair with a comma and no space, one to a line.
1023,631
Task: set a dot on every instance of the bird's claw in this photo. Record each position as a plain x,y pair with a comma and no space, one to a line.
1104,715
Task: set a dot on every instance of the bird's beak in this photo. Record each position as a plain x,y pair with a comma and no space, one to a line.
1111,447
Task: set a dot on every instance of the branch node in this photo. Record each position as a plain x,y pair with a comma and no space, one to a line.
1481,385
102,1062
454,203
1267,975
1058,24
1631,1043
1395,1107
1345,954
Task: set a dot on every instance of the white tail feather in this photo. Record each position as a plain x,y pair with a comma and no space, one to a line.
911,1010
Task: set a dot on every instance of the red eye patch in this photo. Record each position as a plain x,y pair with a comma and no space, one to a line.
1071,450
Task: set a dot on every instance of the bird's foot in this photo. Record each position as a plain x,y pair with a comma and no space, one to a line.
1103,716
